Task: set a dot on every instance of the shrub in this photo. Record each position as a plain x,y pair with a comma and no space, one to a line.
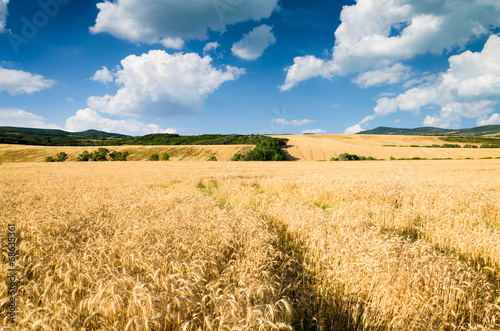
119,156
490,146
49,159
352,157
85,156
100,154
238,157
165,157
154,157
470,146
452,146
212,158
393,158
61,157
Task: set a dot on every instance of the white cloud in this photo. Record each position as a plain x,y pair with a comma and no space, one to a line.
103,76
376,33
212,46
163,84
494,119
253,44
160,21
353,129
174,43
451,115
470,88
21,118
306,67
314,131
3,14
19,82
86,119
282,121
388,75
69,99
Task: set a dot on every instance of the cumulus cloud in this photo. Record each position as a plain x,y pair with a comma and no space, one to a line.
388,75
282,121
163,84
353,129
315,131
3,14
21,118
253,44
470,88
86,119
19,82
103,76
171,22
209,47
375,33
306,67
174,43
494,119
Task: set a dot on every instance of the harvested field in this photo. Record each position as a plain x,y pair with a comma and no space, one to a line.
409,245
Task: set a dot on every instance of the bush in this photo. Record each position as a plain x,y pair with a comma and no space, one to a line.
452,146
85,156
119,156
470,146
238,157
100,154
490,146
154,157
352,157
61,157
165,157
212,158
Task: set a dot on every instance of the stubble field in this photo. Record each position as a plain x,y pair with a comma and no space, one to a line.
253,246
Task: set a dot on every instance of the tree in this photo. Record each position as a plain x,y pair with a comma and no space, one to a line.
61,157
85,156
100,154
154,157
119,156
165,157
49,159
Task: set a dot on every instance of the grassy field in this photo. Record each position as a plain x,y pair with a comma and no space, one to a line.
253,246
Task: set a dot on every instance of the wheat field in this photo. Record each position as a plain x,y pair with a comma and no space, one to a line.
23,153
407,245
324,146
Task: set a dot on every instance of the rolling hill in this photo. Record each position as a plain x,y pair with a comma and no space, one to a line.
488,130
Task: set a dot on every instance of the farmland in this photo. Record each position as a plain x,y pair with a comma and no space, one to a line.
254,245
323,147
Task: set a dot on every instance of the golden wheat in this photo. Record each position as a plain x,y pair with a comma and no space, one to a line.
263,246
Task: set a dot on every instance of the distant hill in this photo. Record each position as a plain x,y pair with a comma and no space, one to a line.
488,130
94,134
49,137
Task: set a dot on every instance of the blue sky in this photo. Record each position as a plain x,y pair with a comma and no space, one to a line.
249,66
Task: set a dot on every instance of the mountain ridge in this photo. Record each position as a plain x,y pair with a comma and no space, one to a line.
433,131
